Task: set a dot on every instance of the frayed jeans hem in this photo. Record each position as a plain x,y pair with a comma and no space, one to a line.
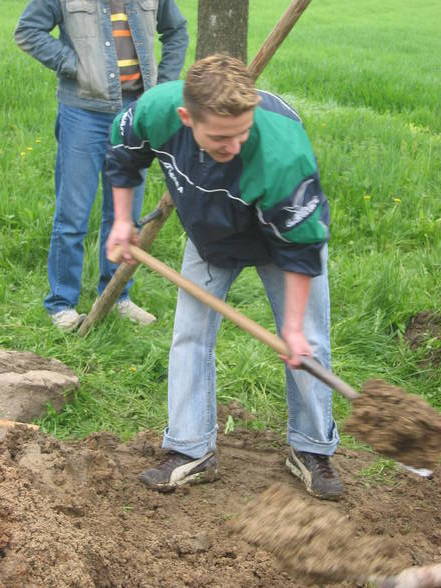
193,448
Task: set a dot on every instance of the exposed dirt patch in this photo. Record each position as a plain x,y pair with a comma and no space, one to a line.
74,514
396,424
21,362
424,329
28,383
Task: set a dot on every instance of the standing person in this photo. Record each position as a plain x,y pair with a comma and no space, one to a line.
245,183
104,59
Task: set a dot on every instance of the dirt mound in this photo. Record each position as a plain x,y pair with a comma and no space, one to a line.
314,540
75,515
396,424
28,383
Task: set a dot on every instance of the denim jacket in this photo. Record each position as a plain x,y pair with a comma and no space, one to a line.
84,56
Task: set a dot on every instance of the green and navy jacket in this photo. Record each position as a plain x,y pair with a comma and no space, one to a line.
265,205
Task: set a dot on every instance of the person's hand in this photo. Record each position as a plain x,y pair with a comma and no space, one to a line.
122,235
298,346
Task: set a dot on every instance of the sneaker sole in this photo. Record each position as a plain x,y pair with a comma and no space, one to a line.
204,477
305,477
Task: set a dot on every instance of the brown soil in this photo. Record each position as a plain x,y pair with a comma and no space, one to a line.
73,514
314,540
396,424
424,331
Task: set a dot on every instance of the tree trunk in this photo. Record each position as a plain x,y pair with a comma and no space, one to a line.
222,28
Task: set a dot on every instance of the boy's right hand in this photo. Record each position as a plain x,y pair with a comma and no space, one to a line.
121,236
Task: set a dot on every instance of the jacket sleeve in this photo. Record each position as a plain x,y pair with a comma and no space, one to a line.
281,178
128,153
32,35
296,228
172,30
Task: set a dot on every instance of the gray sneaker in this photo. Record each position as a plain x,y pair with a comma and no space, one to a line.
316,472
179,469
67,320
135,313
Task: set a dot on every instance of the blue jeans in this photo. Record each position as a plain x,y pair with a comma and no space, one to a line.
192,376
82,137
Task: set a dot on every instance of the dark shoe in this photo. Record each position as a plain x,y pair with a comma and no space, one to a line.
317,473
179,469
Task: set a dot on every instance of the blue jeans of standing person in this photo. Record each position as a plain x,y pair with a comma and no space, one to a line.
192,376
83,137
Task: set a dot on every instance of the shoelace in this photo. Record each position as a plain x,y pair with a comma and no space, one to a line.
322,464
174,459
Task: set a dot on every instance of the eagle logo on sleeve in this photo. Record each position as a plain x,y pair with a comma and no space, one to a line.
304,204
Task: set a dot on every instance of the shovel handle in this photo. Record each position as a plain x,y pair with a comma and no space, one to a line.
257,331
316,369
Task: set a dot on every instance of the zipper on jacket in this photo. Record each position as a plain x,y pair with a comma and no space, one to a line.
201,156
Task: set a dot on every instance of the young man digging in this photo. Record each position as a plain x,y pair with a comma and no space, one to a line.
245,184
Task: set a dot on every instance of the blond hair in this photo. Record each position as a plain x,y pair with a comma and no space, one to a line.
220,85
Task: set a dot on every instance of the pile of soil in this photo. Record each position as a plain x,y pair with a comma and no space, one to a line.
73,514
315,540
424,332
397,424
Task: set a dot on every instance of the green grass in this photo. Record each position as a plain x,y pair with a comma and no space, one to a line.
380,472
365,79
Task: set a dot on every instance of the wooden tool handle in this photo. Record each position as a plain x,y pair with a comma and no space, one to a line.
277,36
8,423
310,365
316,369
220,306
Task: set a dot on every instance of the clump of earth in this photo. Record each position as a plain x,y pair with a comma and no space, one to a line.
396,424
315,540
74,514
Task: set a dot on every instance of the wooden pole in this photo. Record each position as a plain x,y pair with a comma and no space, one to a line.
147,235
277,36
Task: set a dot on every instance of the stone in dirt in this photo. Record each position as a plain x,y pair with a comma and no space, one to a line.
396,424
28,383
